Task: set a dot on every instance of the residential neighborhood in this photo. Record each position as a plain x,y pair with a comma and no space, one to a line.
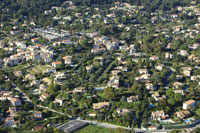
123,66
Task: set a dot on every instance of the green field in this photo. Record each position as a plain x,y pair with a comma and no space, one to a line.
15,68
38,69
95,129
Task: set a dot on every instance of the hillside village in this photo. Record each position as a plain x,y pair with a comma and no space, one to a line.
122,65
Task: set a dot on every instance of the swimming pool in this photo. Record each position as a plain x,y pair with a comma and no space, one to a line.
189,120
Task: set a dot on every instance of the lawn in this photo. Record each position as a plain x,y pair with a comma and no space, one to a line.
38,69
95,129
15,68
100,94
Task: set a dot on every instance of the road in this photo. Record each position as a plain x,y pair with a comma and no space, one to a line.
27,99
105,125
167,78
14,39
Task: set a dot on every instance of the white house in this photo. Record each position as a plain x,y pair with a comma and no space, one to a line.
188,104
159,115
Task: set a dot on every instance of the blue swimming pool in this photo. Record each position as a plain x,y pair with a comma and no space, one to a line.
189,120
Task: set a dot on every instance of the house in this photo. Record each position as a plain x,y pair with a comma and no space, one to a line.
44,96
89,68
153,58
11,61
183,53
15,32
179,77
143,71
159,115
115,72
143,77
132,99
10,122
114,82
42,88
67,60
193,57
195,78
100,59
177,85
50,70
67,42
186,71
122,111
152,128
35,40
16,102
97,50
26,36
183,114
12,111
160,67
59,101
188,104
101,105
29,77
6,97
56,64
179,91
39,128
124,47
168,55
169,45
195,46
92,114
79,89
20,44
37,114
18,73
149,86
35,83
5,92
158,97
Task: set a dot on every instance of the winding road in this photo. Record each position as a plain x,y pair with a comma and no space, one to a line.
27,99
105,125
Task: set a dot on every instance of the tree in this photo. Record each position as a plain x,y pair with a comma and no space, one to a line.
198,112
178,97
197,130
74,112
171,101
8,85
51,105
123,99
169,93
109,93
2,78
120,130
76,97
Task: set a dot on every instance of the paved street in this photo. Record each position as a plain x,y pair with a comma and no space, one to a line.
105,125
26,98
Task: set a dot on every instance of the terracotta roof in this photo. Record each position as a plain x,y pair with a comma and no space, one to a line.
14,99
39,128
38,45
189,102
57,62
